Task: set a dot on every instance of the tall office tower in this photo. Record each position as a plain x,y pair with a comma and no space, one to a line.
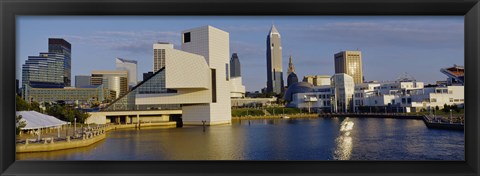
350,63
45,70
291,67
131,67
116,80
235,66
61,46
214,45
159,55
82,81
274,62
237,87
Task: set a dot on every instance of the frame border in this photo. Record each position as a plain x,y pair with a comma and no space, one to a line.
10,9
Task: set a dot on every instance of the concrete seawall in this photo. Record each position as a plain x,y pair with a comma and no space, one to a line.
61,145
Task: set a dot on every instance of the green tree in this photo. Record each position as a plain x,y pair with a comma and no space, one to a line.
21,104
19,124
446,108
35,106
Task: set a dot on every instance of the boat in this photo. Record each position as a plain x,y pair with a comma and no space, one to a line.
285,117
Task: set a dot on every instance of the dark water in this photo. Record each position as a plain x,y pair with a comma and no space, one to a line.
276,139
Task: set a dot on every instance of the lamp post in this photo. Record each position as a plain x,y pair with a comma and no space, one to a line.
450,116
75,127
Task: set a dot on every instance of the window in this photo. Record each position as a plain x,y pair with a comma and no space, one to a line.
214,86
186,37
226,72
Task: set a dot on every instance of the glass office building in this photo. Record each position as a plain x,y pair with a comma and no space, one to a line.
45,70
61,46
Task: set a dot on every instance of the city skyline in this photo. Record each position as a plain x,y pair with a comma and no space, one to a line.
405,43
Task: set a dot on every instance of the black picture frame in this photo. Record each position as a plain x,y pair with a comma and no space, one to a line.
10,9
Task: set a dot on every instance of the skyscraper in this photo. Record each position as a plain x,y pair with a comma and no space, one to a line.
274,62
61,46
350,63
235,66
82,81
159,55
291,67
131,67
45,70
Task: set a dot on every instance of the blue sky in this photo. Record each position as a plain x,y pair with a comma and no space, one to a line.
391,45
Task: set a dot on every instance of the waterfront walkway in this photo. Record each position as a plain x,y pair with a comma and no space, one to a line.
84,136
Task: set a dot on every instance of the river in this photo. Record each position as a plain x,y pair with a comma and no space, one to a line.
275,139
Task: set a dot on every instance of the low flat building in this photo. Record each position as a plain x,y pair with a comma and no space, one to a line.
253,102
69,95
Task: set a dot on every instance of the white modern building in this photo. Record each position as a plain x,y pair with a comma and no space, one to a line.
237,89
131,67
194,82
404,95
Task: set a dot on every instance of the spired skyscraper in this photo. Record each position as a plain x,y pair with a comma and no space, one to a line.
274,62
61,46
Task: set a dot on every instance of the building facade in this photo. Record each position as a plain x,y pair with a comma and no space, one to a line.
116,80
45,70
274,62
82,81
350,63
159,54
317,80
70,95
147,75
131,67
214,45
61,46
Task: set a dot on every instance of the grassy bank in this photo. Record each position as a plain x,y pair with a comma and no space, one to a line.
272,111
275,116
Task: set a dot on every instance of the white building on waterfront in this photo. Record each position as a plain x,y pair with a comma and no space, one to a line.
193,81
403,95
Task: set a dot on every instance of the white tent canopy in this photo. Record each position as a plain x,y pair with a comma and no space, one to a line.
36,120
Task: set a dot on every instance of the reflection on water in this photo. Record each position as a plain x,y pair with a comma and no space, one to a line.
344,141
275,139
